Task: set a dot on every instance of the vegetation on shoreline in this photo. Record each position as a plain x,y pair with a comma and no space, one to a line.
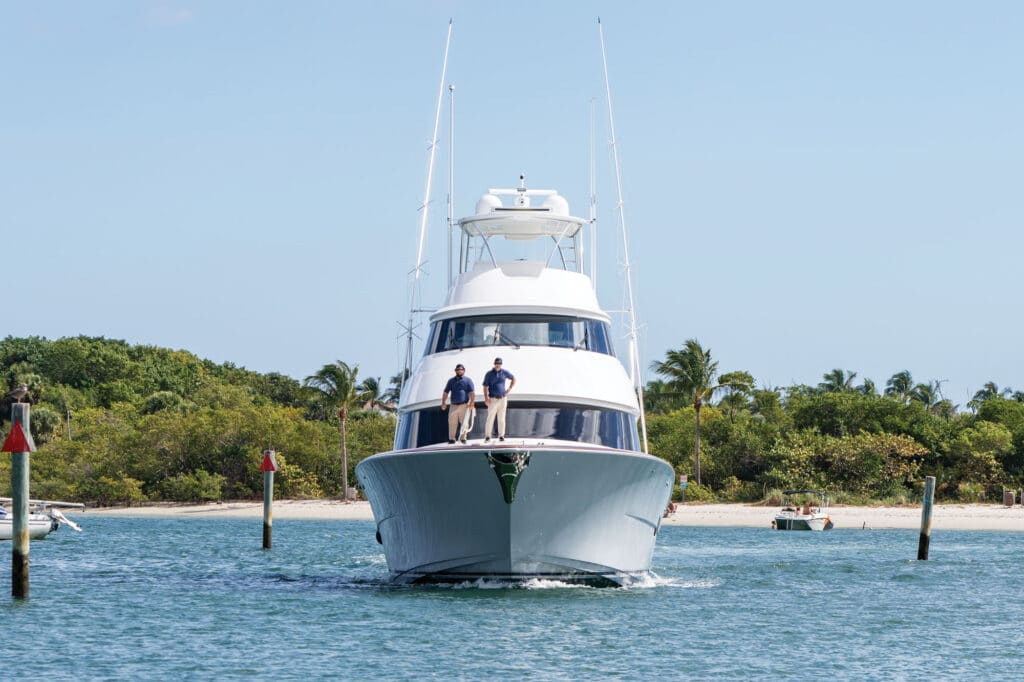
861,444
117,423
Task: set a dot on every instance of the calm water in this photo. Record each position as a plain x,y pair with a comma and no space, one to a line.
199,599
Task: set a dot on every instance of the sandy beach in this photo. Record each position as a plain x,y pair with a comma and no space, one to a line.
945,516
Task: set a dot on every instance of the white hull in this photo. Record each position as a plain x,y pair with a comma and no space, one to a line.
790,521
579,513
39,526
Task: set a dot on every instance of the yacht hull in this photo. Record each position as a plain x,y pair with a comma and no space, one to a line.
571,513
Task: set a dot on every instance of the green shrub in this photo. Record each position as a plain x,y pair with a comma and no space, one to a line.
199,486
698,493
107,490
735,490
294,483
970,492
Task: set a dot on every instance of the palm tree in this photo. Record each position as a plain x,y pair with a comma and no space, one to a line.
837,381
394,392
376,399
691,374
339,391
929,395
740,386
659,397
900,385
867,388
989,391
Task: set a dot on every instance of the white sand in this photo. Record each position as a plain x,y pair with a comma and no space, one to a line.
283,509
945,516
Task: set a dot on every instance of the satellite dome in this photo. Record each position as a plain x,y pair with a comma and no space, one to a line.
487,204
557,204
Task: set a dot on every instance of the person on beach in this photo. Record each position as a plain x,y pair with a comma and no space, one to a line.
496,398
462,392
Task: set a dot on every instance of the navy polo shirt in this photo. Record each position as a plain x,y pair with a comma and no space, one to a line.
460,388
495,382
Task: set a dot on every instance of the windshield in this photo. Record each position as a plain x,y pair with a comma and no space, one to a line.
518,331
579,423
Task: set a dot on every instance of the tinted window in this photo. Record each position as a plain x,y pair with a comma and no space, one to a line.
528,420
520,330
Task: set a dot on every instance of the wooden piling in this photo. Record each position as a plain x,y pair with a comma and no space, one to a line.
926,518
268,467
19,502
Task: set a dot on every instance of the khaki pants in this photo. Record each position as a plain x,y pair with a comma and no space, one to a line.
496,410
455,415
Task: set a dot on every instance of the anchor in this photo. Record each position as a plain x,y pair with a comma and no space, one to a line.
508,467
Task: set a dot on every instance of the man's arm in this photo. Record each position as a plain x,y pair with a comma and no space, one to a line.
509,390
444,396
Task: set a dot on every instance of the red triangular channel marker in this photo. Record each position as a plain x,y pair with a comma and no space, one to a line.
268,463
16,441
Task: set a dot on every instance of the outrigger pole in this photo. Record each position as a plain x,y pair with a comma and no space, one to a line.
634,350
451,176
593,200
424,212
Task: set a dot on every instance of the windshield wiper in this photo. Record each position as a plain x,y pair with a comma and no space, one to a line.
451,340
498,334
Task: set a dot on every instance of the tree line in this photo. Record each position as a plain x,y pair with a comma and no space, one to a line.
121,423
858,441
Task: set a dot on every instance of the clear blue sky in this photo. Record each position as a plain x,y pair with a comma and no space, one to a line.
808,185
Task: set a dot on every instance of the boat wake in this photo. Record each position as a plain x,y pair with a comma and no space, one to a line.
653,580
645,582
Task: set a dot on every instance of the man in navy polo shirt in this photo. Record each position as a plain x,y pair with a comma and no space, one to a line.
496,398
462,393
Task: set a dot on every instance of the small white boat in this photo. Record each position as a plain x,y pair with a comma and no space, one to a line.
44,517
798,513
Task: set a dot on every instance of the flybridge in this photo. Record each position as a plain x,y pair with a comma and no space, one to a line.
545,233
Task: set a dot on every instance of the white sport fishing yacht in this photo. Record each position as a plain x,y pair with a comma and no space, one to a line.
569,494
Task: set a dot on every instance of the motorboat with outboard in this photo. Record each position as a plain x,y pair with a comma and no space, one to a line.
44,517
800,511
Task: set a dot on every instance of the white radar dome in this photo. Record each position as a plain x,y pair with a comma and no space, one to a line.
487,204
557,204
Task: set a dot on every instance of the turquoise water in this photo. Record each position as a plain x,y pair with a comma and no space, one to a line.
199,599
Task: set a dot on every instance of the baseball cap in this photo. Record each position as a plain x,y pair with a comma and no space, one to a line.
497,361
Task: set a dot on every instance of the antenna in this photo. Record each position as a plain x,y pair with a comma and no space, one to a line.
634,351
424,212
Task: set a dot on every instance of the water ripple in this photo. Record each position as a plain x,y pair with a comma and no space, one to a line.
199,599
